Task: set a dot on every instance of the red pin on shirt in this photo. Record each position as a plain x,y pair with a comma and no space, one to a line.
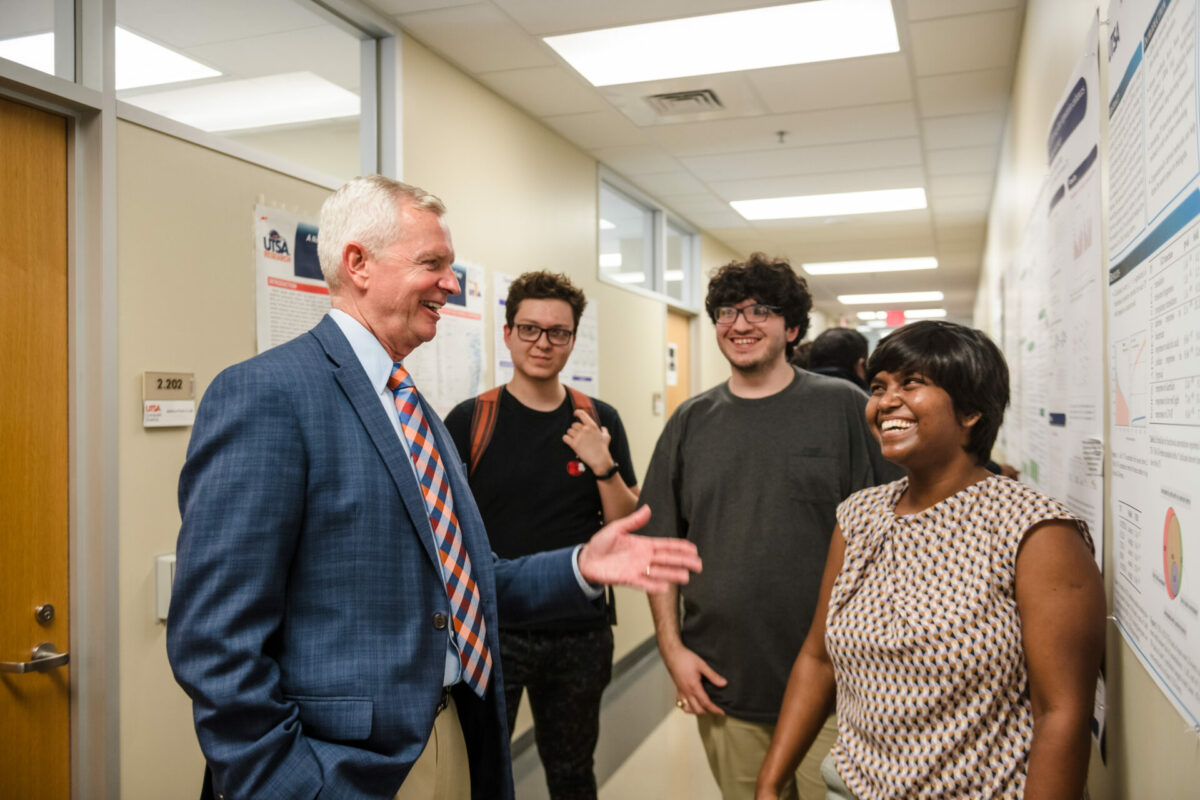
576,468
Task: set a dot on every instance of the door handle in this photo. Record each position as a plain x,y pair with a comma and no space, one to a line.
45,658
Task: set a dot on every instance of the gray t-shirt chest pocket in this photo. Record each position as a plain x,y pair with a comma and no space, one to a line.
815,475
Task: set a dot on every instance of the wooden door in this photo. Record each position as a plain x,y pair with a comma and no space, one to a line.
679,359
34,705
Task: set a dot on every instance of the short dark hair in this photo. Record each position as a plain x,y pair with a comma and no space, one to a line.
799,355
838,347
961,360
543,285
770,281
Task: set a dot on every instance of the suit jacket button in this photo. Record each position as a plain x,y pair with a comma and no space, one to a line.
439,621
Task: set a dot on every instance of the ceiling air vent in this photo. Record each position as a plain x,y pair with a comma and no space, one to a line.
694,101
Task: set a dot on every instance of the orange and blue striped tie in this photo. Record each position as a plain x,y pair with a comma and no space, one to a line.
466,608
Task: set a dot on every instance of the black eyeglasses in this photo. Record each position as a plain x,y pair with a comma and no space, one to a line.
727,315
531,333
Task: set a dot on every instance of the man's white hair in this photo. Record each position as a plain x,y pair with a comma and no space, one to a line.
365,210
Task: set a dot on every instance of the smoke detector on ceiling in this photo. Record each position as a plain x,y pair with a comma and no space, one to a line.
689,101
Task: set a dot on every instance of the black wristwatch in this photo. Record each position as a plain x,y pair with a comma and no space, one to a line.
612,471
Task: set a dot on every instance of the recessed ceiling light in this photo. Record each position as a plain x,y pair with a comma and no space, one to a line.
672,275
872,314
875,265
141,62
629,277
610,260
925,313
253,103
822,205
894,297
35,52
798,33
605,225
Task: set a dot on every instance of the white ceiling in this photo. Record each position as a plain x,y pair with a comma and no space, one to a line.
931,115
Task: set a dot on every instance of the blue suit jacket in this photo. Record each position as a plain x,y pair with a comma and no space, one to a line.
306,585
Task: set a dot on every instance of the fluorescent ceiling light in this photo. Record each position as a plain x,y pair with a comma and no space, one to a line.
610,260
872,315
253,103
925,313
36,52
605,225
875,265
894,297
672,275
629,277
799,33
831,205
141,62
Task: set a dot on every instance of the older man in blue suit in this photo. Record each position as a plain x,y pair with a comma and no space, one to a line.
336,602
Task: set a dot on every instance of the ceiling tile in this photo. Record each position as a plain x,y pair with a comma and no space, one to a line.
953,207
322,50
964,92
597,129
544,17
830,183
929,9
725,218
963,130
666,185
943,186
185,23
636,159
397,7
807,160
697,203
833,84
545,91
962,43
479,37
861,123
962,159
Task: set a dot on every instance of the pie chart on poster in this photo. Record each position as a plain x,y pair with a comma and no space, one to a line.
1172,553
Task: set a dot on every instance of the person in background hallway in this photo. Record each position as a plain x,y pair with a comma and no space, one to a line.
799,355
573,449
840,353
960,625
335,605
751,471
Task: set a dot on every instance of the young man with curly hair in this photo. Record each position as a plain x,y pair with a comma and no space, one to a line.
752,471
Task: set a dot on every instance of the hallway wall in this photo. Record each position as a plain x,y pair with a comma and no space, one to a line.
1150,753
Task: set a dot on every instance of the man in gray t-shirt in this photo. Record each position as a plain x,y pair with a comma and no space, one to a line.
752,471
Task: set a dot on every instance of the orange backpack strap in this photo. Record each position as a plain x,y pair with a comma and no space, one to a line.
580,400
483,424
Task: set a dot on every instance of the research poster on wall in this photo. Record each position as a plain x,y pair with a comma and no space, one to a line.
1054,294
582,371
452,367
290,293
1154,338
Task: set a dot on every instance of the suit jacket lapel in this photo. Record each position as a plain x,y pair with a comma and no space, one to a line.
350,376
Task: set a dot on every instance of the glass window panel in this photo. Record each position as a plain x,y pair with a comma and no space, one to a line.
286,81
681,262
626,239
39,34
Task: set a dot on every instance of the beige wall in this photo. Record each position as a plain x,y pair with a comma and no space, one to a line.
185,291
1150,752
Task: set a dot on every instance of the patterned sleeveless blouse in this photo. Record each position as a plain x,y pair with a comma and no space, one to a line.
923,632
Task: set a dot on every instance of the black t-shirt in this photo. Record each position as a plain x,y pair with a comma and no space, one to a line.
530,495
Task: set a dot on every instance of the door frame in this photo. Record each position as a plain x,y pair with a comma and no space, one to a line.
91,363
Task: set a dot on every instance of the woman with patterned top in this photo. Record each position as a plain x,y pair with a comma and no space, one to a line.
960,625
